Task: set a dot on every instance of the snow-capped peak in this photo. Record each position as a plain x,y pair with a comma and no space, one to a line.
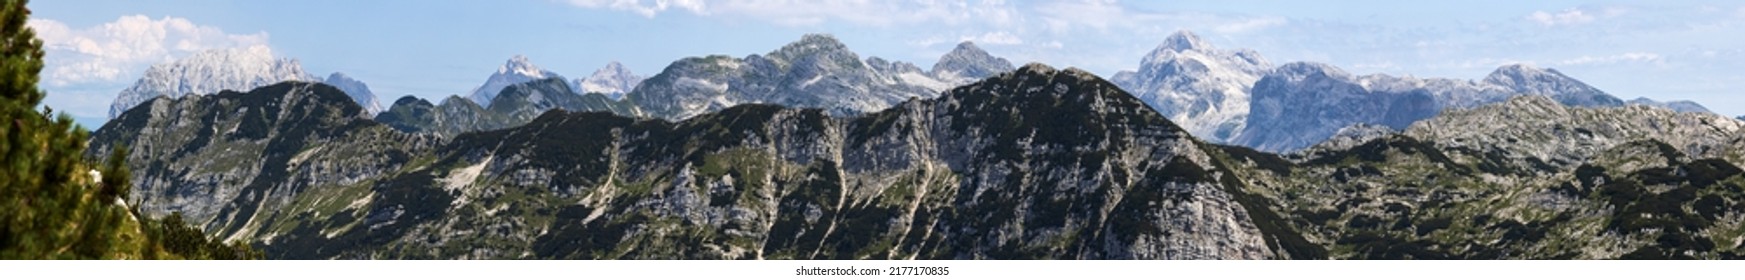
1201,88
614,80
1183,40
519,65
208,72
519,69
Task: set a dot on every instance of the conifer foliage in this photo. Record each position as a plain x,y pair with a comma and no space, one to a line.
56,204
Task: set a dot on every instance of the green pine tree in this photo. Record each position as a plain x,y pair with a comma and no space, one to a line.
53,202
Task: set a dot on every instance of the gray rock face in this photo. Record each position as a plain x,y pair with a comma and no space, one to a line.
613,80
967,61
1569,91
1528,178
221,159
1204,89
815,72
1032,164
1300,104
209,72
358,91
956,170
1682,106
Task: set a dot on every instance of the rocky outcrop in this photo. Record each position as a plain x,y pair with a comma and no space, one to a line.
1301,104
230,160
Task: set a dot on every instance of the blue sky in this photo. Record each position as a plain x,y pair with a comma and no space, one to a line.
1667,51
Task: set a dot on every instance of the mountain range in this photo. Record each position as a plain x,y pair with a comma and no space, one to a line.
810,152
815,72
1238,97
514,105
238,69
1034,163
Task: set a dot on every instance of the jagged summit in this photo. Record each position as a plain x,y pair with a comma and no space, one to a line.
208,72
519,64
614,81
1036,89
809,45
969,61
815,72
1204,89
1183,40
519,69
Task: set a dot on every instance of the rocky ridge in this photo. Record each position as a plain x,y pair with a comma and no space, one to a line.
815,72
209,72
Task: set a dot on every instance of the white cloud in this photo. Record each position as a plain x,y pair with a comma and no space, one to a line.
994,38
1574,16
1567,17
115,51
1630,57
803,13
648,9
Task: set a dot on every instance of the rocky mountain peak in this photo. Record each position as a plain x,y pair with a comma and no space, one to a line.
613,67
969,61
1039,87
519,69
1036,68
358,91
208,72
1542,81
411,100
811,45
1183,40
614,81
519,64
